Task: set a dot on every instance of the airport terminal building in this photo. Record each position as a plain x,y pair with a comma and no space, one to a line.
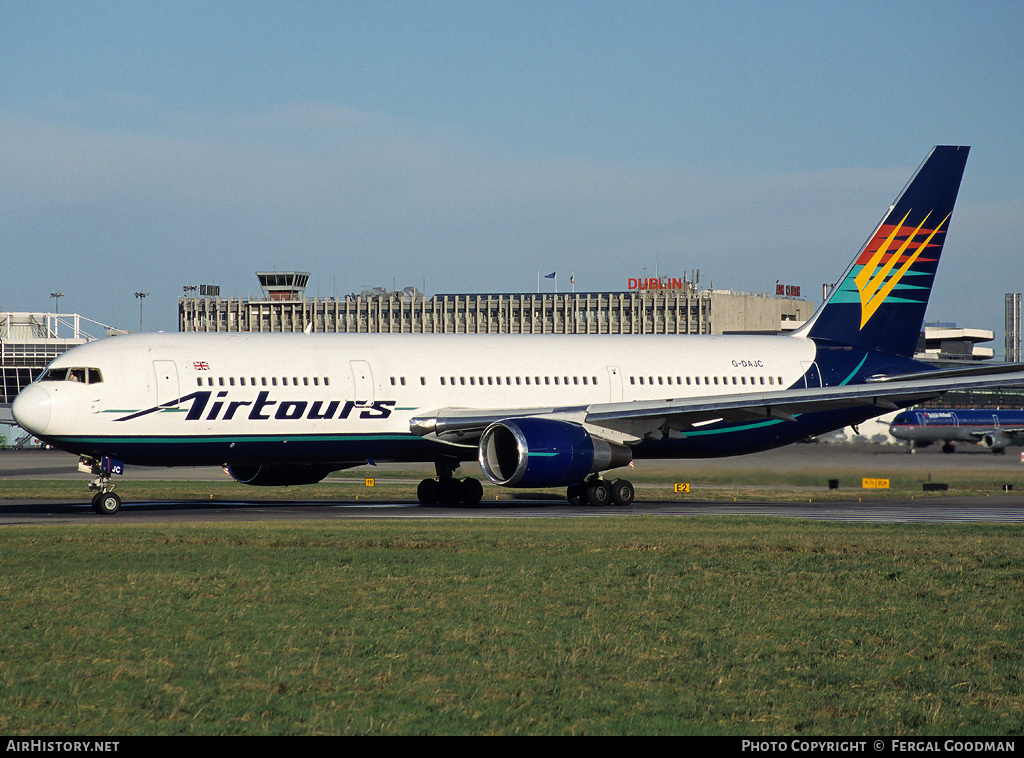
29,341
680,309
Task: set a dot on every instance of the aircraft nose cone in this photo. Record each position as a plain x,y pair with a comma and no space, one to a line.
31,409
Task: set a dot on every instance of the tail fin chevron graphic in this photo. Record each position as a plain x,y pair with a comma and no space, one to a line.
880,302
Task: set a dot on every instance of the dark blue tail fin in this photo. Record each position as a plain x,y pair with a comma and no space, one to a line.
879,303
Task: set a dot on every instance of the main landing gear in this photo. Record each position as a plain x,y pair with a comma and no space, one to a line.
446,489
598,493
105,502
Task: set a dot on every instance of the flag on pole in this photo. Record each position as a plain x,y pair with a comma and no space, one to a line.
550,276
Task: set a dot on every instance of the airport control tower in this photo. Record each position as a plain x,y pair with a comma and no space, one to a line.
283,285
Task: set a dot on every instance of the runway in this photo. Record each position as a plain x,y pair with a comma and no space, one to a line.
947,510
1000,507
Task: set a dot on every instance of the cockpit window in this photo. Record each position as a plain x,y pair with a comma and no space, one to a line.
81,375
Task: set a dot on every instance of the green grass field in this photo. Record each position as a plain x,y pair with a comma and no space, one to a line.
646,625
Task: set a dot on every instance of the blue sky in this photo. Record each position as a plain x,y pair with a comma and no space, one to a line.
467,146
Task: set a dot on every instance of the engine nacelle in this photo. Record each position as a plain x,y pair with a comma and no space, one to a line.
994,441
537,452
261,475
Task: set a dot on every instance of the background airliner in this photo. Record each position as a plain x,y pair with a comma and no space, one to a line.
535,411
993,428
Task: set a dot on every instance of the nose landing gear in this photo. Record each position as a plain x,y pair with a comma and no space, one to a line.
105,502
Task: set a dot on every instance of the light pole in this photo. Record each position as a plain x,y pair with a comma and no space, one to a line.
57,296
140,295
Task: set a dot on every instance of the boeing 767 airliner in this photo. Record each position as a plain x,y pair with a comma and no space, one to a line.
535,411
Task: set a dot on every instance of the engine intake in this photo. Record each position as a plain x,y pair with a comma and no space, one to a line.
537,452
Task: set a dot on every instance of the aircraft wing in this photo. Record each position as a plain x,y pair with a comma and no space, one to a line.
631,420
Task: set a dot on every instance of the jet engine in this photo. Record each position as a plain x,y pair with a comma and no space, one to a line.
995,442
538,452
260,475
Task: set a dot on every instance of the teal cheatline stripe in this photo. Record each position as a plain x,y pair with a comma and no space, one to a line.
731,429
854,372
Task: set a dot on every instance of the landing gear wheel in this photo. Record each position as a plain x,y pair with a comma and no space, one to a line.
599,494
472,491
428,492
106,503
575,494
622,493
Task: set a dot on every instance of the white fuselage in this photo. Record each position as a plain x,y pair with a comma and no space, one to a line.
237,387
